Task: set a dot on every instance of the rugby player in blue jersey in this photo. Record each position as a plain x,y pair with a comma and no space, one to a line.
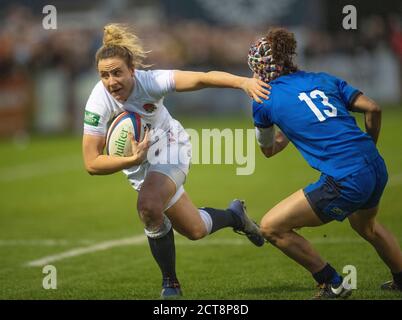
312,111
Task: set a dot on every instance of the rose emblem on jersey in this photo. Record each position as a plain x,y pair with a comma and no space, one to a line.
149,107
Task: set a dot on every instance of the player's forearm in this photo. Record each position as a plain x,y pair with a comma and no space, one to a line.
280,143
103,164
373,123
219,79
189,81
372,114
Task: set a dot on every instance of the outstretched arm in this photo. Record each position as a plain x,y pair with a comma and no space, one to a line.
269,142
190,81
372,115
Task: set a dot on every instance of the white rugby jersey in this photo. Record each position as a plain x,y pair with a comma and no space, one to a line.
147,97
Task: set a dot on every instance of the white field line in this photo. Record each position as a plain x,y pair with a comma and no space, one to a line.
44,242
141,240
41,168
89,249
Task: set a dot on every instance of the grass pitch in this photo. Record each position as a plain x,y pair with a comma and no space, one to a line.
49,206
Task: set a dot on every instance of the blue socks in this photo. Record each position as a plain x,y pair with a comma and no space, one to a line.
328,275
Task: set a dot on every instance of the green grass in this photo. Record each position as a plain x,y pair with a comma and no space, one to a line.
45,194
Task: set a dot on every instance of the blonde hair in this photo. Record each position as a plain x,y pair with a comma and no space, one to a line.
120,41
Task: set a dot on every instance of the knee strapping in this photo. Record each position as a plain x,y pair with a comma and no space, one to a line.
161,231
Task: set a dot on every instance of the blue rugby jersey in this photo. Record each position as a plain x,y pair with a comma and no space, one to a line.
312,111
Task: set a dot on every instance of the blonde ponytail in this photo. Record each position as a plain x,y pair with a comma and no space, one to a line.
119,40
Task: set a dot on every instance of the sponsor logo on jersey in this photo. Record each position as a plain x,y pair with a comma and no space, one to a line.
91,118
149,107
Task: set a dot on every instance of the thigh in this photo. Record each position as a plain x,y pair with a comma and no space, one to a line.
185,217
363,219
156,191
293,212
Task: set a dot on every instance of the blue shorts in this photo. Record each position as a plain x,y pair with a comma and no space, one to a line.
337,199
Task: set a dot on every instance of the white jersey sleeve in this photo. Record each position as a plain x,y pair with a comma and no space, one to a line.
161,82
98,112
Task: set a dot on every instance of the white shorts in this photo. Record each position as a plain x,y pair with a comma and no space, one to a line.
169,154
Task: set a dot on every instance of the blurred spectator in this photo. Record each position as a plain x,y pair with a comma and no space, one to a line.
28,50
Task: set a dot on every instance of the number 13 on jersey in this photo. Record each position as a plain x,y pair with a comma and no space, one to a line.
331,112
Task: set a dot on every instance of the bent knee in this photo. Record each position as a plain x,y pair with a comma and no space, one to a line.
196,233
270,232
149,207
150,213
367,232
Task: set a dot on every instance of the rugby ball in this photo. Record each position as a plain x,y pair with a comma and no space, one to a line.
117,139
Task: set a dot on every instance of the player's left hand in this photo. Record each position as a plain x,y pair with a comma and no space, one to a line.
256,89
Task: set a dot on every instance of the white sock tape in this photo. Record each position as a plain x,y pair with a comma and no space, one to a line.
207,219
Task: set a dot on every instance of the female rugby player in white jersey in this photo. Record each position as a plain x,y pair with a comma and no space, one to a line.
162,201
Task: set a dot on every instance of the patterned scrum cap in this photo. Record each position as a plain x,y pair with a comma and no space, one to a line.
261,61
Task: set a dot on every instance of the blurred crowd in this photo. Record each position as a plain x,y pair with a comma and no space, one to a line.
27,50
372,32
26,45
